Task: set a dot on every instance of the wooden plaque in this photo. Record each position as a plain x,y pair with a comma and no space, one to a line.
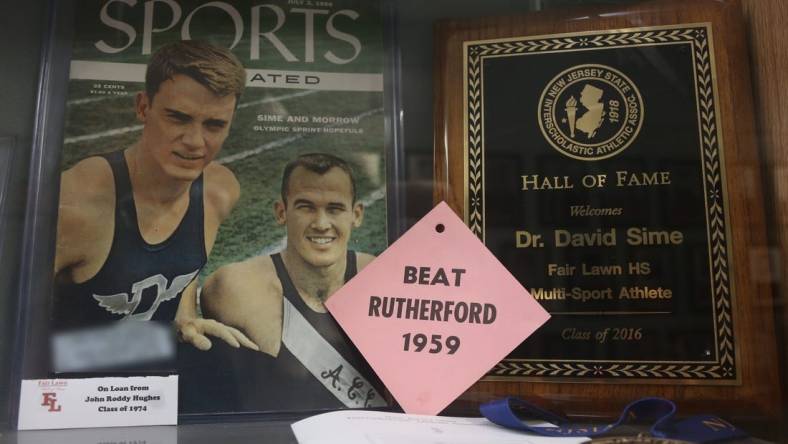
608,158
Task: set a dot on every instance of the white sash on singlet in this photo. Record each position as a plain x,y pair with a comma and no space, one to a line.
325,363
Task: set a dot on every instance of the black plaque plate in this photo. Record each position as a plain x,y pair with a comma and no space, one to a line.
593,171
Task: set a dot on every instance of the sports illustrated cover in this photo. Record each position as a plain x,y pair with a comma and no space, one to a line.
223,173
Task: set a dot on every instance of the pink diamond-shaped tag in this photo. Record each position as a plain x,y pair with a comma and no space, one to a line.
434,312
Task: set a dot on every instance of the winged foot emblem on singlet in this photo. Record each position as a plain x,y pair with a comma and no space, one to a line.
120,304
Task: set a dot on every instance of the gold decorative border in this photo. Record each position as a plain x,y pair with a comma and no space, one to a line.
723,366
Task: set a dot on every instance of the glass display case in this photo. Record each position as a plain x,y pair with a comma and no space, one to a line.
623,159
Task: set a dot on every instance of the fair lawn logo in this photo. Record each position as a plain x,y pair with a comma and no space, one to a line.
49,400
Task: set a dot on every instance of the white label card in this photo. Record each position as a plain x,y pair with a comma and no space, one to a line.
98,402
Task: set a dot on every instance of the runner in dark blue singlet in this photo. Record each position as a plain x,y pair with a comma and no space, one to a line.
306,362
136,226
138,280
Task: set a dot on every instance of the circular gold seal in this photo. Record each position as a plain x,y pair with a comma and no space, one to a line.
590,112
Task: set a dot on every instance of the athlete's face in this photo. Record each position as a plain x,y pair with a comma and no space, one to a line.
319,215
185,125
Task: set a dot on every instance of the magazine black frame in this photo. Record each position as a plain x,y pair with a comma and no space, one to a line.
31,344
7,154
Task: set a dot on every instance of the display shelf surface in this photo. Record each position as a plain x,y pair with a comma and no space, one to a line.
270,432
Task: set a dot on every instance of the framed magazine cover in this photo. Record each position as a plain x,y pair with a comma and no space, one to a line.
318,84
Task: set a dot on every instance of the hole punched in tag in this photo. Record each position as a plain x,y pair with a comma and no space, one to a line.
440,228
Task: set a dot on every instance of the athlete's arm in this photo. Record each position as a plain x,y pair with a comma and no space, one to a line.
67,249
246,295
221,193
194,329
86,203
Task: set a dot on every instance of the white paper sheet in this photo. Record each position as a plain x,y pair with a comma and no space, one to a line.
364,427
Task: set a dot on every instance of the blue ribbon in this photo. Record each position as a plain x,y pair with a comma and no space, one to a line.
657,411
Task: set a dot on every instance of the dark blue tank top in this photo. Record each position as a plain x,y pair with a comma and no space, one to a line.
242,380
138,280
288,368
324,323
